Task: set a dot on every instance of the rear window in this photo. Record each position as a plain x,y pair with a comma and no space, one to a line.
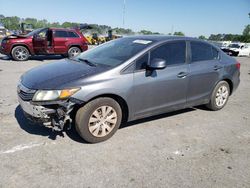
61,34
72,34
203,52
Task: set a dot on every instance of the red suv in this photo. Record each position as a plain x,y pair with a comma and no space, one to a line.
44,41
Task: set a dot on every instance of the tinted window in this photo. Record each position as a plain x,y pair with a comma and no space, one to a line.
61,34
203,52
141,63
72,34
173,53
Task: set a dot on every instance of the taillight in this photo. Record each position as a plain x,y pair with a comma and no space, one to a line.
238,65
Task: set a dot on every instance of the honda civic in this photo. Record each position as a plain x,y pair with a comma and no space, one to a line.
127,79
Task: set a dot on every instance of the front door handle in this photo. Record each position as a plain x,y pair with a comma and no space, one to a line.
182,75
217,67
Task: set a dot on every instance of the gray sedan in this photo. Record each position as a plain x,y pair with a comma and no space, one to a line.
127,79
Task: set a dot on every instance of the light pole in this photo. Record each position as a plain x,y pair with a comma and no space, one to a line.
124,10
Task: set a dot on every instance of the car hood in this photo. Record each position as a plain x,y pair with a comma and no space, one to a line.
55,75
15,36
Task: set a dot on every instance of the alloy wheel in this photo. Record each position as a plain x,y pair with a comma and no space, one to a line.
21,53
74,52
221,96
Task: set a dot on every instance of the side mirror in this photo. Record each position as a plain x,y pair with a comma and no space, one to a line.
157,63
35,36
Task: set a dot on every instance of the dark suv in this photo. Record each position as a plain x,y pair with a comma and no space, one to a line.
44,41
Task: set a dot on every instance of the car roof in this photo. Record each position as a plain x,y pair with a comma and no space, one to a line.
62,29
159,38
165,38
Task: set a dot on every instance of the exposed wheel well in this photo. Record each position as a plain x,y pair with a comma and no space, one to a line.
75,45
230,85
120,100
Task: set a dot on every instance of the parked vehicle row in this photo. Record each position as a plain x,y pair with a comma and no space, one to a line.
44,41
127,79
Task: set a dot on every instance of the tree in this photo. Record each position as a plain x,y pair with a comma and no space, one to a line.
11,22
202,37
145,32
179,33
67,24
217,37
246,31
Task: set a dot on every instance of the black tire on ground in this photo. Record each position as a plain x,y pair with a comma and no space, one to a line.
73,51
20,53
64,55
212,105
84,114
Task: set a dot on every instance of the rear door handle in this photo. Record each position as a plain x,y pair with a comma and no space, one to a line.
182,75
217,67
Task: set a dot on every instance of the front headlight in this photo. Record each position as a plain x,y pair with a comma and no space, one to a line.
50,95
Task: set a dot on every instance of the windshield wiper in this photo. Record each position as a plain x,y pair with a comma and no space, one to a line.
87,61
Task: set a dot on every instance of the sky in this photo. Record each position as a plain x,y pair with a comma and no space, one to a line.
193,17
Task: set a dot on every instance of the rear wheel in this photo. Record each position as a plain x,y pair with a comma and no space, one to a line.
219,96
20,53
98,120
74,51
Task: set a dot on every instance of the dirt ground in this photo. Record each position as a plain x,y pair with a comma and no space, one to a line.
188,148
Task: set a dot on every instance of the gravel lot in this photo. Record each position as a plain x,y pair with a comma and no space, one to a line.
187,148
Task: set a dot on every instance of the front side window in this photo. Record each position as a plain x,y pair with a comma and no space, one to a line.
203,52
142,62
43,33
173,53
61,34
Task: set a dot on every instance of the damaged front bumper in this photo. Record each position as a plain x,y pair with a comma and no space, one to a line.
53,114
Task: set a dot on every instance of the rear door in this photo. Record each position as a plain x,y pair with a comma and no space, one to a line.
165,89
40,42
60,39
205,71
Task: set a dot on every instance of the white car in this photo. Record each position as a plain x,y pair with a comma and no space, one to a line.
244,51
238,49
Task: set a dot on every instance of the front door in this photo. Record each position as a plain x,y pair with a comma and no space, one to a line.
40,42
162,90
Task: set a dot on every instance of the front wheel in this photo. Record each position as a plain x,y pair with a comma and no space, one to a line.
98,120
74,51
219,96
20,53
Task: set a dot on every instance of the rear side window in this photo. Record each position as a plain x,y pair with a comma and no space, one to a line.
61,34
203,52
72,35
173,52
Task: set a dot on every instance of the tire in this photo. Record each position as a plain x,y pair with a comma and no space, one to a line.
219,96
94,129
74,51
20,53
64,55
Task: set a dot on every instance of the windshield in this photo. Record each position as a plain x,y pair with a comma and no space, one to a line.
34,32
115,52
234,46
